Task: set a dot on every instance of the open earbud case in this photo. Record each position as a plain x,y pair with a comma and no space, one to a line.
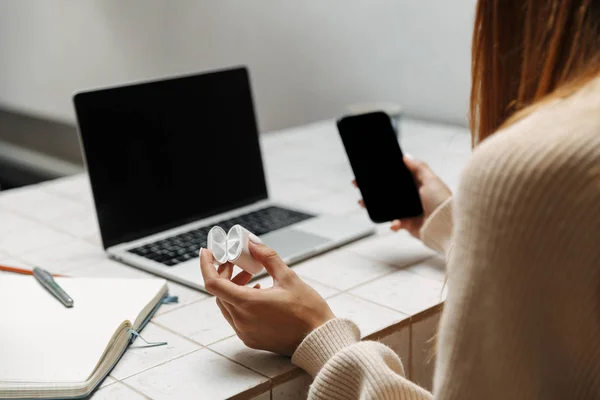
233,247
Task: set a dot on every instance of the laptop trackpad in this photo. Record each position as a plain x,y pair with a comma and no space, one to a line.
291,243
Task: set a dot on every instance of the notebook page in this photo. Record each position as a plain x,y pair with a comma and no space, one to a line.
43,341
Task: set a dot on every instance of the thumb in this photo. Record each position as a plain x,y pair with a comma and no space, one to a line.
268,258
420,170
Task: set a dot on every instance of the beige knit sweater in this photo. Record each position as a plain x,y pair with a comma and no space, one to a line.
522,317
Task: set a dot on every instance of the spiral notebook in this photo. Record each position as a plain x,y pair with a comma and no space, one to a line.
50,351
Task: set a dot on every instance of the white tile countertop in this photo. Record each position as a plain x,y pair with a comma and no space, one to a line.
384,283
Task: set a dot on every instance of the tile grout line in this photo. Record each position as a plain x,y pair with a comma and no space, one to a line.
157,365
396,269
222,340
188,338
373,302
177,333
269,379
312,280
242,365
383,262
98,388
207,346
63,195
408,314
46,225
182,306
390,273
29,217
135,390
59,196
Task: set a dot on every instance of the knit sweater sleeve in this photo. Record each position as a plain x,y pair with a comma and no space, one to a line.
346,368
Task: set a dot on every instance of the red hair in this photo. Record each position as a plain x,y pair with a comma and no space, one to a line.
528,51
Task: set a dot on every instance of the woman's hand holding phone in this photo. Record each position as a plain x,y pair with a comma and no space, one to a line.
432,190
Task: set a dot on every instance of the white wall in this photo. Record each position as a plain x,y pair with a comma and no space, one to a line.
308,58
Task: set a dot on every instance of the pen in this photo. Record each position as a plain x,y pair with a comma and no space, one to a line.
46,280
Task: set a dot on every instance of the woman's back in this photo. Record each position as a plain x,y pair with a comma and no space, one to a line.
523,317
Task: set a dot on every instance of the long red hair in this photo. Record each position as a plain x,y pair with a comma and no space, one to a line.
528,51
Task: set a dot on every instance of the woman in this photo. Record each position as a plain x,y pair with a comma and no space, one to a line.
521,236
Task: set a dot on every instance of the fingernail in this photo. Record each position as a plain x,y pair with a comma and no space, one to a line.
200,252
254,239
409,156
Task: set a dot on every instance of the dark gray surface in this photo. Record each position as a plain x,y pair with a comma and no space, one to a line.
54,139
49,137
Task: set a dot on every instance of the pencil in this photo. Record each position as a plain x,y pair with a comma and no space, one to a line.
22,271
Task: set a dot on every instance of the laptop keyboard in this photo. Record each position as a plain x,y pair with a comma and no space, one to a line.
185,246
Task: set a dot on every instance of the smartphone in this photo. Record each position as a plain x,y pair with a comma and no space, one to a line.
386,184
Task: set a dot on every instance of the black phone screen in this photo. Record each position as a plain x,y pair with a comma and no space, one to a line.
386,185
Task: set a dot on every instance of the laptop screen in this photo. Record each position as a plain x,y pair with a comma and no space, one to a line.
165,153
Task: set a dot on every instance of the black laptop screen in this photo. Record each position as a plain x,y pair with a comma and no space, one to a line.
165,153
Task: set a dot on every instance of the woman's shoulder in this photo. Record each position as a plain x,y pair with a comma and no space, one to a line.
559,141
534,188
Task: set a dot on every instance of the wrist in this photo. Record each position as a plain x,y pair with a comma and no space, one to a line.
316,323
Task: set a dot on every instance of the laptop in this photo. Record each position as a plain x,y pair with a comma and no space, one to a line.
169,159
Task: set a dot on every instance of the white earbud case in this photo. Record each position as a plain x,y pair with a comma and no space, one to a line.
232,247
